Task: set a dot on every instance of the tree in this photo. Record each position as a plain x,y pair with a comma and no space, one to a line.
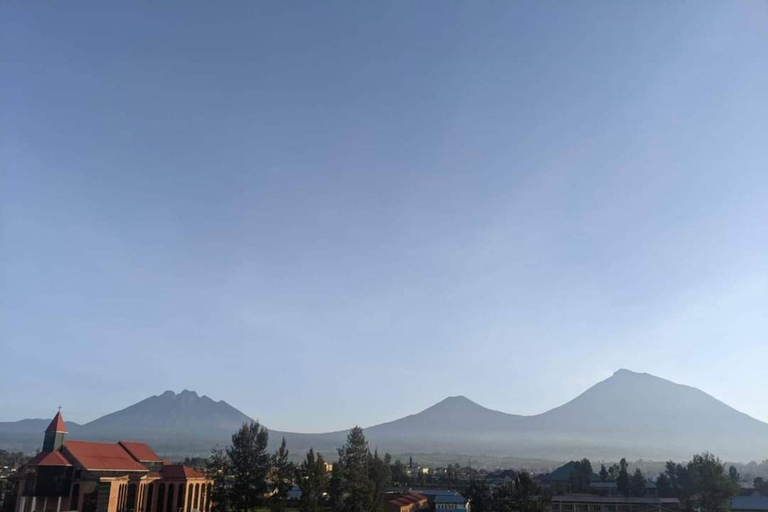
664,486
480,495
603,473
613,472
713,488
622,480
581,476
335,488
281,478
637,483
218,469
313,481
399,474
249,464
733,474
379,477
357,491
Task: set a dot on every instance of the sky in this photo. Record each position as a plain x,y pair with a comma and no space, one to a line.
339,213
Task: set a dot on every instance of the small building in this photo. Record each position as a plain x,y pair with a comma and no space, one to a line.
83,476
595,503
559,481
453,502
412,502
755,502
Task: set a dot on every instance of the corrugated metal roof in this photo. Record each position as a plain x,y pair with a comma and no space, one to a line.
754,502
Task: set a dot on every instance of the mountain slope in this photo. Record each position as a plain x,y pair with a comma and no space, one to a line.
630,414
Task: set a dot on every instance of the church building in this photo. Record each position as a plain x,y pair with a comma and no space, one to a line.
83,476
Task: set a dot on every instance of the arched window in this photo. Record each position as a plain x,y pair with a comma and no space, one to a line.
189,497
169,508
196,504
160,498
180,500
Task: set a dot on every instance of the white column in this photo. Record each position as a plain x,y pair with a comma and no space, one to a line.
58,505
32,507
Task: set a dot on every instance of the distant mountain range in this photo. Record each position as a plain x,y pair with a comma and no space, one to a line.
634,415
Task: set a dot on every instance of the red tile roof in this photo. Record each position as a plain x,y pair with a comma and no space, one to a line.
140,451
179,471
102,456
57,425
49,459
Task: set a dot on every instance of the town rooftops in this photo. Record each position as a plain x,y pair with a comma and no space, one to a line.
141,452
756,502
57,424
102,456
593,498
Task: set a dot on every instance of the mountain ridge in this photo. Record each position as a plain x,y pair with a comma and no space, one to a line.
628,414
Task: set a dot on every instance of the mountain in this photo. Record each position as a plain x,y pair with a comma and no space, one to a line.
634,415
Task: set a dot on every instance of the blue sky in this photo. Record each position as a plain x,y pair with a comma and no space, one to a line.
332,213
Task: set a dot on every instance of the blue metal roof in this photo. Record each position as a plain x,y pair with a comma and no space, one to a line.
450,498
755,502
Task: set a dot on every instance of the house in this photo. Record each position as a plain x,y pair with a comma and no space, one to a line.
412,502
451,501
84,476
755,502
595,503
559,481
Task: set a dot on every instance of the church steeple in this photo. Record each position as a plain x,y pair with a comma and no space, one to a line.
55,434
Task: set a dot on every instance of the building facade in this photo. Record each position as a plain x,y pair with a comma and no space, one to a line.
84,476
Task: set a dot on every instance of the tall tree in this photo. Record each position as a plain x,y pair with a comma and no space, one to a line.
733,474
622,481
603,473
664,487
335,488
218,469
378,475
313,481
637,483
281,478
249,465
581,476
713,488
357,491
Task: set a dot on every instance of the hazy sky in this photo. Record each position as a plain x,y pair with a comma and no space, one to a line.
330,213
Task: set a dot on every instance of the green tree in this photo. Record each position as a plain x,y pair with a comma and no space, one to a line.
603,473
622,480
664,486
733,474
637,483
379,476
281,478
480,495
712,486
335,488
581,476
313,481
249,465
613,472
357,491
218,470
399,475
